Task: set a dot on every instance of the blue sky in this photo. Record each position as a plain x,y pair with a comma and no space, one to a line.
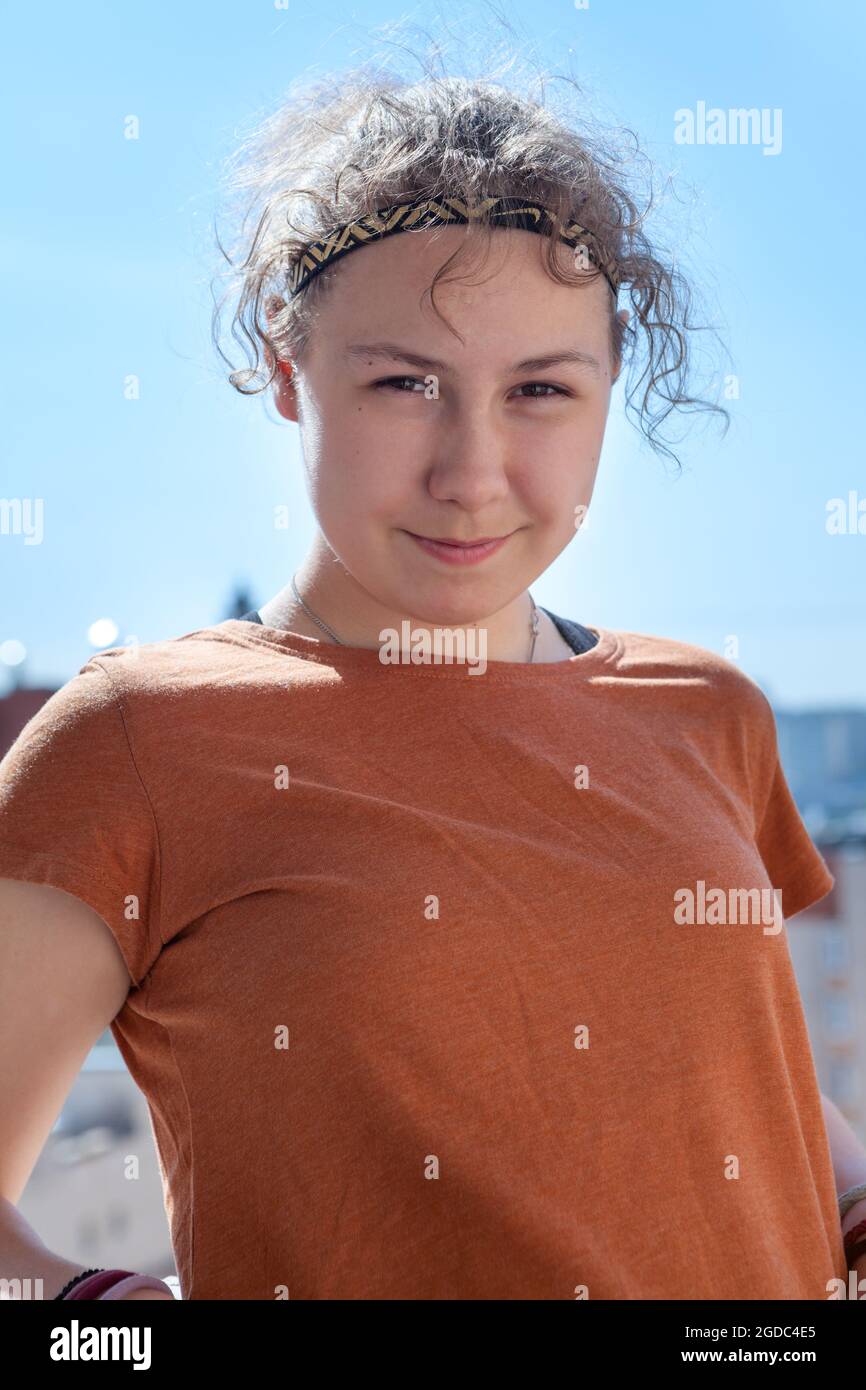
155,509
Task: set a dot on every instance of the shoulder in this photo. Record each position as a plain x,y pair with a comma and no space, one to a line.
685,669
707,703
120,689
168,667
660,656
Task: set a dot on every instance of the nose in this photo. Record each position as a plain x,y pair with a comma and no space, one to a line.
469,462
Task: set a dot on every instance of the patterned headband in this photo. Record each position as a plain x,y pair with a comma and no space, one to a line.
439,212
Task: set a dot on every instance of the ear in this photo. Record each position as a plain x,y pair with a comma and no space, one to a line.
285,394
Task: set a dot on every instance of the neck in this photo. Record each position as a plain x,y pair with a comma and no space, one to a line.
330,592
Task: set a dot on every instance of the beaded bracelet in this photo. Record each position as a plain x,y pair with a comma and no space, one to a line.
109,1284
85,1273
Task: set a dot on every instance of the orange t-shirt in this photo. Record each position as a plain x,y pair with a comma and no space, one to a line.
418,1010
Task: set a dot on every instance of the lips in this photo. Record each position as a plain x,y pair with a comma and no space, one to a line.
451,540
459,552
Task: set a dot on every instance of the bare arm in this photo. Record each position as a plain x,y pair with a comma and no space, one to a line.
849,1155
62,981
849,1160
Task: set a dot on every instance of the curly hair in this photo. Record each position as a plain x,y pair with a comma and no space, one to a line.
341,147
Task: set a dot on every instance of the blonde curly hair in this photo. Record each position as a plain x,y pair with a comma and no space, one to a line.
342,147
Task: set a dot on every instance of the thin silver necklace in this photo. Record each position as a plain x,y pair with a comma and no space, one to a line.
533,624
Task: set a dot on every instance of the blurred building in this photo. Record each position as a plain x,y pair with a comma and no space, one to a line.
16,709
824,756
95,1193
828,950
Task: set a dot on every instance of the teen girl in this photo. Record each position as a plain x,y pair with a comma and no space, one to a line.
441,982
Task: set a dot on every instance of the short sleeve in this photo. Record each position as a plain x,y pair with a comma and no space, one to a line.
74,813
792,860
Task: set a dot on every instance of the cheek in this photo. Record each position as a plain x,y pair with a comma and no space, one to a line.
358,481
560,473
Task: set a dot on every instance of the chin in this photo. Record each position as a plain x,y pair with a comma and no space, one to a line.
458,610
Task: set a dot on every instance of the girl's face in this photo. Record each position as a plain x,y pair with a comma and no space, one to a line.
407,429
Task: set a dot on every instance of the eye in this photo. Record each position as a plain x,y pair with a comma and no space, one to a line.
396,383
543,386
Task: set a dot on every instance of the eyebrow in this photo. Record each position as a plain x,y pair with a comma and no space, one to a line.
393,352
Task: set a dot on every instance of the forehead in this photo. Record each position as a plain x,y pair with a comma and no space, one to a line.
502,287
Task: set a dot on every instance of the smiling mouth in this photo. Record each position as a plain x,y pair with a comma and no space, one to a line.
463,553
467,545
